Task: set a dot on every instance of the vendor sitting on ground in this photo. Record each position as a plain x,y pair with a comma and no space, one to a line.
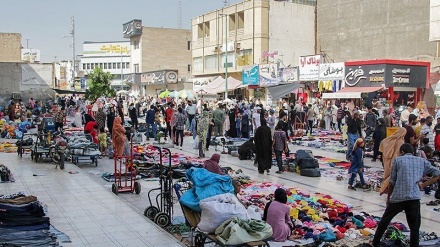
245,149
212,164
277,215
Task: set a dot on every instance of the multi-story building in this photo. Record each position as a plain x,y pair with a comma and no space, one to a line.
111,56
10,47
160,58
252,32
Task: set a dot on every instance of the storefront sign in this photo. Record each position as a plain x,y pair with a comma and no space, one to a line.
309,67
388,75
30,55
331,71
132,28
159,77
289,75
37,74
250,75
268,74
200,82
106,49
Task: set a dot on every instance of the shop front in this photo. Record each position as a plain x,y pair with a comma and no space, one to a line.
395,82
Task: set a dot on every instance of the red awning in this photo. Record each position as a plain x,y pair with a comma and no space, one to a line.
359,89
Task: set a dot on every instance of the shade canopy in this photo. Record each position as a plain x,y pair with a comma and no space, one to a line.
219,85
359,89
281,90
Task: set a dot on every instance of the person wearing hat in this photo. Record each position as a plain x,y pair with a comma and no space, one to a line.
357,164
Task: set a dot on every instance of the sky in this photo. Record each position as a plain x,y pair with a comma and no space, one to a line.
45,22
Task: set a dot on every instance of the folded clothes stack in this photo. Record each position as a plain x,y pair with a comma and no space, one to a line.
23,222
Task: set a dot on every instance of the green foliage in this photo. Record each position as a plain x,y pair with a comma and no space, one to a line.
99,85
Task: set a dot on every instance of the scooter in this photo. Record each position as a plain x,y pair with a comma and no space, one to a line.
57,150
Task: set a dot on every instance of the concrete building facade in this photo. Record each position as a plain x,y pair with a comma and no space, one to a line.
10,47
251,32
160,58
111,56
361,30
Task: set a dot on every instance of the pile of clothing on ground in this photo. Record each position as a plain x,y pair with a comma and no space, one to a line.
6,174
14,130
8,147
23,222
220,211
313,214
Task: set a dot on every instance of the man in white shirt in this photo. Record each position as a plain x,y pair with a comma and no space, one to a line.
191,110
427,132
256,121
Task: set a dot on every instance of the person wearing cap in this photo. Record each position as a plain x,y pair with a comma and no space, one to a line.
357,165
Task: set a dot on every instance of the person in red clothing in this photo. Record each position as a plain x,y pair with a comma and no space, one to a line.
437,142
168,114
91,127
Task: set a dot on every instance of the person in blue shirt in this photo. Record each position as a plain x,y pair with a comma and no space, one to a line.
404,192
149,120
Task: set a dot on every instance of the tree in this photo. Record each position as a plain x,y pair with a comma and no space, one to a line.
99,85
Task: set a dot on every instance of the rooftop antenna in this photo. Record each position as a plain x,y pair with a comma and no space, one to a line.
72,35
225,2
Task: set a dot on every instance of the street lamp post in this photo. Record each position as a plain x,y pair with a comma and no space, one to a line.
226,54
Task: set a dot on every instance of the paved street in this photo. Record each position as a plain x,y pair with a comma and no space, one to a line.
83,206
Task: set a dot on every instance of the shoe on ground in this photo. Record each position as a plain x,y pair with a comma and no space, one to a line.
180,148
351,187
279,172
267,171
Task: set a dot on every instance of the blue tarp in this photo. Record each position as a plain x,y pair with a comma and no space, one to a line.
206,184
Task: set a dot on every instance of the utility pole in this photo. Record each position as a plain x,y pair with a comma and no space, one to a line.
226,52
72,35
27,43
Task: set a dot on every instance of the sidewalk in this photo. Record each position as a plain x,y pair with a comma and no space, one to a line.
81,208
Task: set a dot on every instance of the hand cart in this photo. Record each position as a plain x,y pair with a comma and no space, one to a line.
41,147
192,219
84,154
24,145
125,182
163,212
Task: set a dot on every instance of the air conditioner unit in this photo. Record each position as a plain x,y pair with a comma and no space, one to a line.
216,49
238,46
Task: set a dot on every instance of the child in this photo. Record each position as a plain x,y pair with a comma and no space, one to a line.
426,148
357,165
102,139
238,125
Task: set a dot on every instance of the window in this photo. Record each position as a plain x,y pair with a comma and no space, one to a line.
231,58
197,64
118,65
232,22
244,58
105,65
123,65
200,31
88,66
189,67
136,44
128,65
101,66
113,65
240,20
189,45
96,65
207,29
136,68
84,66
92,66
211,62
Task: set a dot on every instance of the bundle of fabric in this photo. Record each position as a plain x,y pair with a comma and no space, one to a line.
23,222
8,147
6,174
236,231
205,184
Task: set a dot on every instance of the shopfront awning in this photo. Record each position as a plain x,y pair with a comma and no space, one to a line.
279,91
437,89
64,91
350,92
359,89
